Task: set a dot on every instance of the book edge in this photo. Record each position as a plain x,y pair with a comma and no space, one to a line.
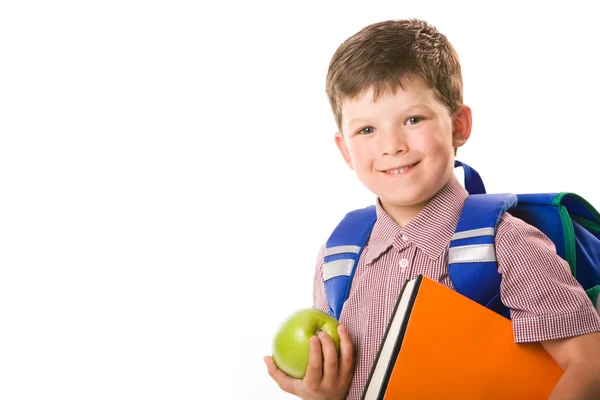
400,338
418,280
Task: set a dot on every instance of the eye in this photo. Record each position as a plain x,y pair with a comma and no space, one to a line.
366,130
414,120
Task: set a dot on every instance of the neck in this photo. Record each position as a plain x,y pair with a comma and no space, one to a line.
403,214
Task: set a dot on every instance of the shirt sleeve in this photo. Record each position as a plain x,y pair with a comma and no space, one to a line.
319,299
546,302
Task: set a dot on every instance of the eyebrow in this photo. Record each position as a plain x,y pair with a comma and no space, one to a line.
360,120
363,120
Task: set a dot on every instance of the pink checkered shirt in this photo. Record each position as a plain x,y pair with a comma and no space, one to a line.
546,302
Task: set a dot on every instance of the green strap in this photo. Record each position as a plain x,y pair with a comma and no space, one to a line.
593,294
570,253
567,222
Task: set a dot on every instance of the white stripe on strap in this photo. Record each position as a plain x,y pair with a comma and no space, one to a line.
337,268
473,233
470,254
341,249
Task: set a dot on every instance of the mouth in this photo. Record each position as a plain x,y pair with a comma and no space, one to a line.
400,170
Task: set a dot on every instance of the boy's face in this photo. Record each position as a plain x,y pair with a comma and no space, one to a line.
402,146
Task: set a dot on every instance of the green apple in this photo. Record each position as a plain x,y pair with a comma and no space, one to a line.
291,345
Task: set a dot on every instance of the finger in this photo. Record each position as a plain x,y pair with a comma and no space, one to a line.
330,357
284,381
346,368
314,371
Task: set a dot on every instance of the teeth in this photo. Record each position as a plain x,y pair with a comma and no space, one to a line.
398,170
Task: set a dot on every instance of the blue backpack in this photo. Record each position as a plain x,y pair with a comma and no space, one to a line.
566,218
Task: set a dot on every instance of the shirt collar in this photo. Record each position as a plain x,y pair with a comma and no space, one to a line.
430,230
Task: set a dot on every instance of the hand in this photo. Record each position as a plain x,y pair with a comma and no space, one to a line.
327,378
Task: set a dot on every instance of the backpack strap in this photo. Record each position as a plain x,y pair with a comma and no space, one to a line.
472,256
342,252
473,182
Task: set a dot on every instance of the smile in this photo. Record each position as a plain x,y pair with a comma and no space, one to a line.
401,170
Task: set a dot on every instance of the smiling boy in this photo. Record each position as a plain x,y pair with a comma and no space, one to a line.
395,88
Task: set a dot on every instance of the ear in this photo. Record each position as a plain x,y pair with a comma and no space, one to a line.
343,148
461,125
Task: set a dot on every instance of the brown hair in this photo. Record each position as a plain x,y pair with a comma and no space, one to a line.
384,54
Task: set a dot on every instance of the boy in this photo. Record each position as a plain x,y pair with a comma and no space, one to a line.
395,89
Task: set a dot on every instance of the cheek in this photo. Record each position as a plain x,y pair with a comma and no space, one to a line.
359,154
433,142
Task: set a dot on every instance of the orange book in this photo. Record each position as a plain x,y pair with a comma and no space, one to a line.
440,344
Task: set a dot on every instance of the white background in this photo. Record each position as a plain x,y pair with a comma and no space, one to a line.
168,172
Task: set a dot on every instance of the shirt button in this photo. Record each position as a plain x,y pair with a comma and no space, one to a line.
403,263
405,238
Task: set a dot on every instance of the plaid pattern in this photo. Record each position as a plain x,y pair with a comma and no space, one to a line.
546,302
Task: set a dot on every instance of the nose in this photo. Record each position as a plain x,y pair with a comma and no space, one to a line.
392,142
